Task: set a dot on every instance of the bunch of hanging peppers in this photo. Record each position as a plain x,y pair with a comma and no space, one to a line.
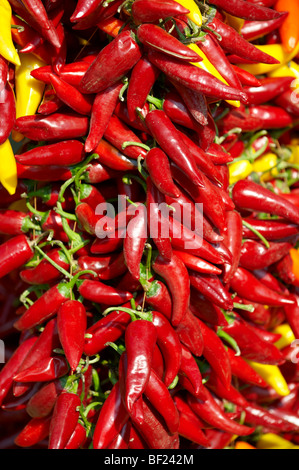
149,224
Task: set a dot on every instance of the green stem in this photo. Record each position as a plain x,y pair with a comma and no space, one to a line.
257,233
66,215
155,101
59,268
247,308
233,343
135,144
133,313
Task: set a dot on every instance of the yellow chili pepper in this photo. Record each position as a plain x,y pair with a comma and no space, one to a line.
295,258
209,67
19,206
195,13
294,158
266,165
273,377
273,441
242,445
239,171
291,69
29,91
7,48
274,50
8,168
234,22
287,335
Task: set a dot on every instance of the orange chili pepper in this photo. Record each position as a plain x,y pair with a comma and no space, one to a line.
111,26
242,445
289,30
295,258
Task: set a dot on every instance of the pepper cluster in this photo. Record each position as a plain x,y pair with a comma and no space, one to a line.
149,223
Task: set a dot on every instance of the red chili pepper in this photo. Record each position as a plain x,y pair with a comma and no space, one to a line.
113,62
207,311
45,307
48,369
71,96
152,36
190,377
207,196
99,292
190,334
233,43
270,88
246,78
258,292
178,112
14,253
231,394
71,73
158,167
271,117
252,346
242,9
196,104
255,255
157,224
54,127
43,401
272,230
195,78
190,424
292,315
259,416
118,134
216,354
160,398
3,73
12,366
214,52
285,101
72,323
211,287
113,416
251,196
158,297
62,154
197,264
242,370
143,78
15,222
84,9
7,112
211,412
153,430
134,242
102,110
34,432
64,420
145,11
176,277
169,344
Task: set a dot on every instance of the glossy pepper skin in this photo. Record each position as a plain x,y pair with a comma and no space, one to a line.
113,62
176,276
253,197
72,324
64,420
139,359
144,11
14,253
8,112
243,9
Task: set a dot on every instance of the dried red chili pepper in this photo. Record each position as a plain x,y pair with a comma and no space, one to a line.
113,62
252,11
253,197
103,107
14,253
62,154
35,431
144,11
72,323
64,420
